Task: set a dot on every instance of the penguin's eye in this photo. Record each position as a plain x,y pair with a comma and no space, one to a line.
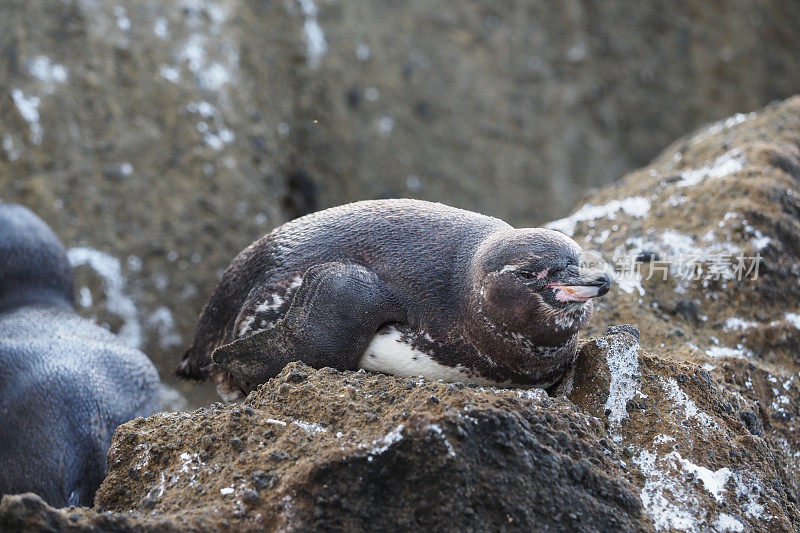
525,274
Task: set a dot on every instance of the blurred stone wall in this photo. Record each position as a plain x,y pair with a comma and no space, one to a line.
160,138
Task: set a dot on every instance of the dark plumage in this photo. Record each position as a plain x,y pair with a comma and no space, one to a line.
464,295
65,383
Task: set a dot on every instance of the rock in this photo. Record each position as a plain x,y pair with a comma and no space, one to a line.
656,431
687,435
679,458
723,197
28,512
623,328
415,464
159,139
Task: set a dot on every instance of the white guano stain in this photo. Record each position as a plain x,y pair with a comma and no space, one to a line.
794,319
622,358
214,131
123,22
170,73
316,45
682,400
8,146
737,324
161,28
46,71
699,254
309,427
665,499
724,165
673,504
724,351
118,302
635,206
714,481
379,446
28,107
722,125
210,52
728,523
436,428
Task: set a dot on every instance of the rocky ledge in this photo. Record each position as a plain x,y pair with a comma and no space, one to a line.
689,425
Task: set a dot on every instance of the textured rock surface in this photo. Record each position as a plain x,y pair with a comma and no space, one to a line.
161,138
693,446
320,449
317,449
728,191
28,512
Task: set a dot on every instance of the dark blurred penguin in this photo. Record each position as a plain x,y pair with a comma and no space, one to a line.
65,383
404,287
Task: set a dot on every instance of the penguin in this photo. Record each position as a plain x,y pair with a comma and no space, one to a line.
65,383
404,287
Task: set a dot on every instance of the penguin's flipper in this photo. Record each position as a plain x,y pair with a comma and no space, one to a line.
330,321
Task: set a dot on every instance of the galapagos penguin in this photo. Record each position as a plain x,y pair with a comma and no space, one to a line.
405,287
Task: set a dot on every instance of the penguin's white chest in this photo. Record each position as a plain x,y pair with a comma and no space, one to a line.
390,354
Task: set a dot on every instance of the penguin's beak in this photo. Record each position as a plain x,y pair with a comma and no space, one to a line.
586,285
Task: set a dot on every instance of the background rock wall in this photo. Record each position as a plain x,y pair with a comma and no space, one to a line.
160,138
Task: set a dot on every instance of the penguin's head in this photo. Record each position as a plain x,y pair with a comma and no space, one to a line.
33,263
531,282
